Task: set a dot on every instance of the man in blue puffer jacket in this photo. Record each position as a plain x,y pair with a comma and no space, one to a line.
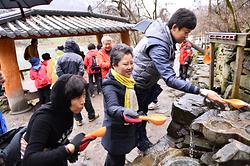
154,57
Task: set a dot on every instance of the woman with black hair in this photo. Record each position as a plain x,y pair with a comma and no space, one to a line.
45,141
120,106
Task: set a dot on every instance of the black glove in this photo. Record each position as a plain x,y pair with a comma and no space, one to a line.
73,158
81,141
131,116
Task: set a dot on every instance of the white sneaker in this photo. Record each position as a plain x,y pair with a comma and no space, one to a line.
153,106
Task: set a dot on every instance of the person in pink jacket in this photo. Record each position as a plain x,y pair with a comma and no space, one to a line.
38,72
93,69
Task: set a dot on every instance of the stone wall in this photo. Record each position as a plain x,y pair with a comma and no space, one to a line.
224,70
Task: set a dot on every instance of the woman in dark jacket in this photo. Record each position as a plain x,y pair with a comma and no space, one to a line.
45,141
120,106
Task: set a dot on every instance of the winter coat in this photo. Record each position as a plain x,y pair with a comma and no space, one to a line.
51,67
40,76
88,61
70,62
103,60
153,59
48,130
120,138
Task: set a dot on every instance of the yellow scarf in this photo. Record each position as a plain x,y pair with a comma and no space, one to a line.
130,96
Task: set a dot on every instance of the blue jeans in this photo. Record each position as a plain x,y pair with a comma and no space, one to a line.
145,97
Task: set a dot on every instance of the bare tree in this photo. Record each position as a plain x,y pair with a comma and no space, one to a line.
134,10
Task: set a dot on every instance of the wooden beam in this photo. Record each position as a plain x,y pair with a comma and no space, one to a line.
211,73
13,86
99,38
125,37
237,72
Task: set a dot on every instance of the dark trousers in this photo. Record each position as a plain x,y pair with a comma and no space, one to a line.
145,97
89,108
115,160
97,81
44,94
183,71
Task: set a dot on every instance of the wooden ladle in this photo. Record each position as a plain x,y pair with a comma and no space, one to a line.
157,119
207,58
98,133
237,103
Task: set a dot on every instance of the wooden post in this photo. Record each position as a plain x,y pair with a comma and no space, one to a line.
237,72
211,73
125,37
13,86
99,38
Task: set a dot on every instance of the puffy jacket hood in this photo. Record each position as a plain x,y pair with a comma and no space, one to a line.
58,97
71,46
159,30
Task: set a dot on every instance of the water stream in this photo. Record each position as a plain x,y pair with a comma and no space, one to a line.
191,148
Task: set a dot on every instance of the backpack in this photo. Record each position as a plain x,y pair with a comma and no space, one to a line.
10,147
94,66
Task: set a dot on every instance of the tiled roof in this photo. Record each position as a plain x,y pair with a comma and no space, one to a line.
51,23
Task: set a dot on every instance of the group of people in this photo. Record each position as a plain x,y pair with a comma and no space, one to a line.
129,85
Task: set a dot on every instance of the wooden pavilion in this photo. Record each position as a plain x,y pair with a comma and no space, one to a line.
48,24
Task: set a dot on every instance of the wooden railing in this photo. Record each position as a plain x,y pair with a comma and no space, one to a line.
22,71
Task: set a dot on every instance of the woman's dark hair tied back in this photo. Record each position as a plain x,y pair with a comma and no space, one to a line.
118,51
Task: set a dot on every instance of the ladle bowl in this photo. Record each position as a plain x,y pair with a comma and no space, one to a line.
98,133
157,119
237,103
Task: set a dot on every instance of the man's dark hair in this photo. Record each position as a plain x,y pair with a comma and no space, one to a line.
33,40
46,56
91,46
183,18
117,53
99,46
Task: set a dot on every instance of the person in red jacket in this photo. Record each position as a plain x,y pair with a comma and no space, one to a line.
103,58
38,72
186,54
93,69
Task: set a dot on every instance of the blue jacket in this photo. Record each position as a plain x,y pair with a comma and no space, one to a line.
119,138
154,57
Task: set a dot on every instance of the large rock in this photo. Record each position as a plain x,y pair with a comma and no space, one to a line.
187,108
244,81
180,161
218,127
157,153
232,153
184,111
246,64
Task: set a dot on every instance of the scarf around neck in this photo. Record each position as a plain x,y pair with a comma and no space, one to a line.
130,96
